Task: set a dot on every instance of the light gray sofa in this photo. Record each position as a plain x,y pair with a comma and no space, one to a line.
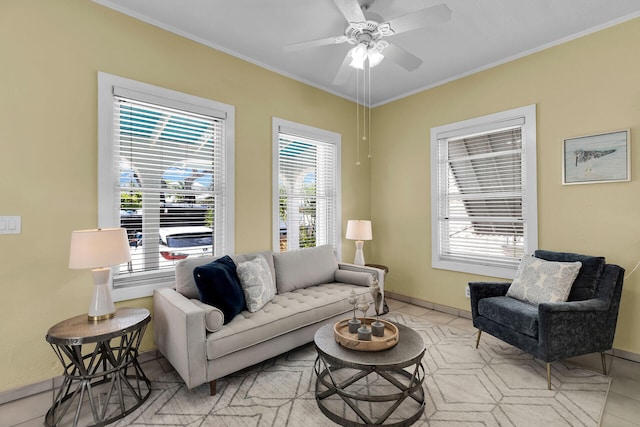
312,290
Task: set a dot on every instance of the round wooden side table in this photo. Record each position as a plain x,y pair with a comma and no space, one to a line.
100,360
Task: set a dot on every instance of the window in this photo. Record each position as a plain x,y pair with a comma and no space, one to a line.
165,173
483,186
306,187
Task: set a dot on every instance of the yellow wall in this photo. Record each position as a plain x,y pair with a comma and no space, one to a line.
51,52
585,86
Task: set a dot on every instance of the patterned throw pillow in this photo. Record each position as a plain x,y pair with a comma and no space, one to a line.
256,283
539,281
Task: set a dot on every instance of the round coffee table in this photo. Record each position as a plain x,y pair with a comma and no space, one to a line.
359,388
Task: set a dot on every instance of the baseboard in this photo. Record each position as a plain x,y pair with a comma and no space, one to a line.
51,384
634,357
430,305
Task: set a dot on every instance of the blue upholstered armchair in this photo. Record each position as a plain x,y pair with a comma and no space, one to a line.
585,323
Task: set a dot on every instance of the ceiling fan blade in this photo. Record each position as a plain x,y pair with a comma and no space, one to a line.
350,10
315,43
343,72
422,18
406,60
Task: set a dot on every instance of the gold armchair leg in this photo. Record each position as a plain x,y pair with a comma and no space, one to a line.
549,375
604,363
478,339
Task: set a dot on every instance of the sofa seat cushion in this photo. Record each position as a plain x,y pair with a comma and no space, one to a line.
511,313
286,312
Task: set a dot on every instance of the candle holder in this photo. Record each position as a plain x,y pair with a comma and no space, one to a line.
354,323
364,333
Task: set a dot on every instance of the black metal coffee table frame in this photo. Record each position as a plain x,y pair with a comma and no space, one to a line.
388,364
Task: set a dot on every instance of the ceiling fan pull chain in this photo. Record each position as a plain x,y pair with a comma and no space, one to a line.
369,111
357,118
364,101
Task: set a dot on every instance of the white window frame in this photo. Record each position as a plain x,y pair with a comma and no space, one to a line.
108,207
316,134
526,116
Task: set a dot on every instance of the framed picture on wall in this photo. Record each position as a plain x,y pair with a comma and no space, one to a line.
599,158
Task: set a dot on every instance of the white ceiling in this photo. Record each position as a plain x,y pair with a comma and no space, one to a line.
480,34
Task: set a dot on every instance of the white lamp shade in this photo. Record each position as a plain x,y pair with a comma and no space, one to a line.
98,248
359,229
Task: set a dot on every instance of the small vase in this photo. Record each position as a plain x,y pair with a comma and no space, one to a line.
364,334
354,324
377,328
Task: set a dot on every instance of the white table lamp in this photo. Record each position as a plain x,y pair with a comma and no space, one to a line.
98,250
359,230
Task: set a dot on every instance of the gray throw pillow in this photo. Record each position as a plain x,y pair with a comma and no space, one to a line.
256,283
538,281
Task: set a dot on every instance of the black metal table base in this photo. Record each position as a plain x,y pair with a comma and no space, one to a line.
109,379
353,390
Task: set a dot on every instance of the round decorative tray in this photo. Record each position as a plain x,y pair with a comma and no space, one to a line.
350,340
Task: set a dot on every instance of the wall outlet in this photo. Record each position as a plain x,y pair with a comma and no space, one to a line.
466,292
10,224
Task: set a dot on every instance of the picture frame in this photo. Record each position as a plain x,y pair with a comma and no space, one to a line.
598,158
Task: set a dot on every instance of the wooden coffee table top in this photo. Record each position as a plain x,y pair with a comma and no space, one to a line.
410,347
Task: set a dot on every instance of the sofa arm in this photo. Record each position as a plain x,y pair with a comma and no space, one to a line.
572,328
594,305
180,334
479,290
375,272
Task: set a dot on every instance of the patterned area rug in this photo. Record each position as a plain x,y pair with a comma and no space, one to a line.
494,385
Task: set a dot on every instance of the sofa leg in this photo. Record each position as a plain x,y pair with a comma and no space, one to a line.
549,375
604,363
478,339
212,387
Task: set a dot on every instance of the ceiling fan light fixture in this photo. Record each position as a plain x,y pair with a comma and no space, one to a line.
359,53
358,56
375,57
357,64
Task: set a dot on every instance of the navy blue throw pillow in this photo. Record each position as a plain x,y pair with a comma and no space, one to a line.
219,286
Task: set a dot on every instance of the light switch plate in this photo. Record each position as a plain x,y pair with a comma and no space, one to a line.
10,224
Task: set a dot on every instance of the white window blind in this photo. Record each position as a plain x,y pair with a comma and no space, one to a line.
485,210
307,189
167,181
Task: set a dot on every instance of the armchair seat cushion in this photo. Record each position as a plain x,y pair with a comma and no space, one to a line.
511,313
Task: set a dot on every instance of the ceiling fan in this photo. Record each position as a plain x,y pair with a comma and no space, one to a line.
367,31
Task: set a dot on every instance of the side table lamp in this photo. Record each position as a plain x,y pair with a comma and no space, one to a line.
359,230
98,250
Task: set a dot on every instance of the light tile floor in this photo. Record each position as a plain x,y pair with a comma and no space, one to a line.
622,408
